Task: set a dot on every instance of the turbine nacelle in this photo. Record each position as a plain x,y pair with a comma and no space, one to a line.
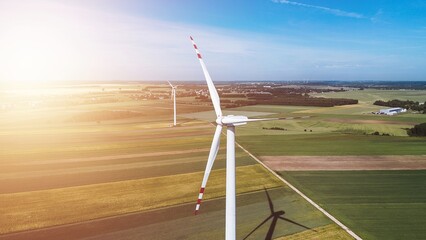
232,120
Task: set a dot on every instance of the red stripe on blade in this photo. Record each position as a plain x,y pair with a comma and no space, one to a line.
191,37
199,201
199,55
195,46
202,190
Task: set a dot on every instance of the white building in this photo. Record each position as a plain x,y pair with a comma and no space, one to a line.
392,111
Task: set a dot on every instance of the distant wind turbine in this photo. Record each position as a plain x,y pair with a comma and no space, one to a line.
174,102
230,122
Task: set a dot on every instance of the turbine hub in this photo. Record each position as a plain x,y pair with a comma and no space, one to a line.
219,120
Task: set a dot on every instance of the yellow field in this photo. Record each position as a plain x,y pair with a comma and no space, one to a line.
37,209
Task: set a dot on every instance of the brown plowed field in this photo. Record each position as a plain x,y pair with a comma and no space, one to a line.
305,163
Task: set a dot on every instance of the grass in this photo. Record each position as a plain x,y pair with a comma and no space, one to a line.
210,115
35,141
353,119
119,164
118,139
33,175
283,199
371,95
275,108
374,204
178,222
29,210
326,125
330,231
356,109
332,144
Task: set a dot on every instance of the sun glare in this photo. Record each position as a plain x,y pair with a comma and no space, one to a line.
38,46
30,54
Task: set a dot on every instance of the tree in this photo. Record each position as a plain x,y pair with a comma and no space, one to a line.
418,130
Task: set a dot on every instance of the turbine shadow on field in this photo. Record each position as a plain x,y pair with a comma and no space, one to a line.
275,215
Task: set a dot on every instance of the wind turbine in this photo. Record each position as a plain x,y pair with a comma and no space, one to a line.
230,122
174,102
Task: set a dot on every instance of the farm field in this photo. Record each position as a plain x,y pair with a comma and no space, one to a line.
334,131
325,232
89,168
375,204
386,203
332,145
177,222
371,95
328,163
85,170
109,199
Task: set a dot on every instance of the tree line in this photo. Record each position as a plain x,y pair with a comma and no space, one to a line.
414,106
289,100
418,130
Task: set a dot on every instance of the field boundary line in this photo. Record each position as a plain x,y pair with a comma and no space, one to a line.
302,195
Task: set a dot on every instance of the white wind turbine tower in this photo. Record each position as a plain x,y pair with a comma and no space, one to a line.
174,102
230,122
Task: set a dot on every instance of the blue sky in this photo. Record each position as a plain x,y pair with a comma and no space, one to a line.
240,40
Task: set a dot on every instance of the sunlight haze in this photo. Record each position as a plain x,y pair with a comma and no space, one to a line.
45,41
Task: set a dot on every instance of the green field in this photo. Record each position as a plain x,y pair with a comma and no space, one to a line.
371,95
88,167
342,130
375,204
332,145
112,166
324,232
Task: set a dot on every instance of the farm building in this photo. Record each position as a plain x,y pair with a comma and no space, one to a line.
392,111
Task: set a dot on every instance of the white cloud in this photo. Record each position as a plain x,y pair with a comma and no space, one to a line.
333,11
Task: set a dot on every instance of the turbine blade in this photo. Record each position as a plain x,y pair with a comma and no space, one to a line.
248,120
212,89
258,226
212,156
271,205
267,119
295,223
170,84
